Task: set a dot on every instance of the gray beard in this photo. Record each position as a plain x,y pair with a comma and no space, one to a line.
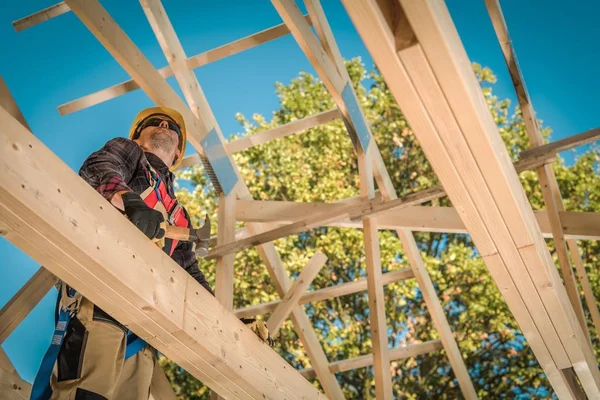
161,140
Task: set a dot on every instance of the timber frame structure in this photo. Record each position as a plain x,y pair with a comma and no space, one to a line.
52,215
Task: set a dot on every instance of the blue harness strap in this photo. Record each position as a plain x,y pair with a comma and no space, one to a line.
41,386
41,389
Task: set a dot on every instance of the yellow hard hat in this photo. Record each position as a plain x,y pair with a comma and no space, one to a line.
169,112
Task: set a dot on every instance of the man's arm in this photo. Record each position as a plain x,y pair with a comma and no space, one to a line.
109,169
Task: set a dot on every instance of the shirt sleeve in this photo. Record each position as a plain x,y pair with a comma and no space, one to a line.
109,169
184,255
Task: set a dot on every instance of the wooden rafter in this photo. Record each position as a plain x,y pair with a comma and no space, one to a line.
200,111
41,16
413,83
343,289
328,64
398,353
192,62
548,182
153,296
290,300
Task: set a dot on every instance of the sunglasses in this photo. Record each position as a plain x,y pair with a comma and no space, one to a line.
156,121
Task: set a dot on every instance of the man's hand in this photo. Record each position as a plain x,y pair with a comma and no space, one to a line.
260,329
145,218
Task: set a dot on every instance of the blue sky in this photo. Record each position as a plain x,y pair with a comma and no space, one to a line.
59,60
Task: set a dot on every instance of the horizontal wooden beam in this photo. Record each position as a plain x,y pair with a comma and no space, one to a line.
326,293
353,211
399,353
258,138
539,152
576,225
41,16
21,304
62,222
193,62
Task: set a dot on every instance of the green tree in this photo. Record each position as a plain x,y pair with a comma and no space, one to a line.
320,165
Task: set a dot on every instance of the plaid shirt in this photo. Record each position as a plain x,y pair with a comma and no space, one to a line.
118,166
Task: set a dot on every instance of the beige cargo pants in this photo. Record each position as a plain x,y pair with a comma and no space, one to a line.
91,364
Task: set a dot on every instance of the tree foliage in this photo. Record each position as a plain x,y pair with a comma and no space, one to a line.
319,165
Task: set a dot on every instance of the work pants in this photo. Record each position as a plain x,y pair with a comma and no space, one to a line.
91,363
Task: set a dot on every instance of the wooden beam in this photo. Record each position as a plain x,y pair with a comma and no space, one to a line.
303,37
12,387
199,105
502,242
291,298
21,304
530,156
399,353
5,362
41,16
548,182
62,222
343,289
352,211
224,267
9,104
256,139
575,224
193,62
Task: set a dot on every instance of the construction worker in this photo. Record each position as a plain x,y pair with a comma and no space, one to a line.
92,355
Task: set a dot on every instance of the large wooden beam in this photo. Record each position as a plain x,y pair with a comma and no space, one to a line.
321,56
398,353
503,228
192,62
62,222
21,304
548,182
12,387
343,289
201,112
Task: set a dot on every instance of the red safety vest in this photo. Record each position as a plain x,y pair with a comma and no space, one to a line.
159,193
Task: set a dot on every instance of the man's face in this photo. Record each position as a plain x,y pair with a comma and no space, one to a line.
160,135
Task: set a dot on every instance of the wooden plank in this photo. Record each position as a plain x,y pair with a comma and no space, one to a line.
343,289
41,16
379,170
9,104
62,222
507,208
380,41
290,300
376,299
268,254
558,146
5,362
398,353
21,304
548,183
224,268
352,211
576,224
193,62
12,387
269,135
285,130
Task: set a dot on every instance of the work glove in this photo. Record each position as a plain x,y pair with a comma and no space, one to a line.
143,217
260,329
